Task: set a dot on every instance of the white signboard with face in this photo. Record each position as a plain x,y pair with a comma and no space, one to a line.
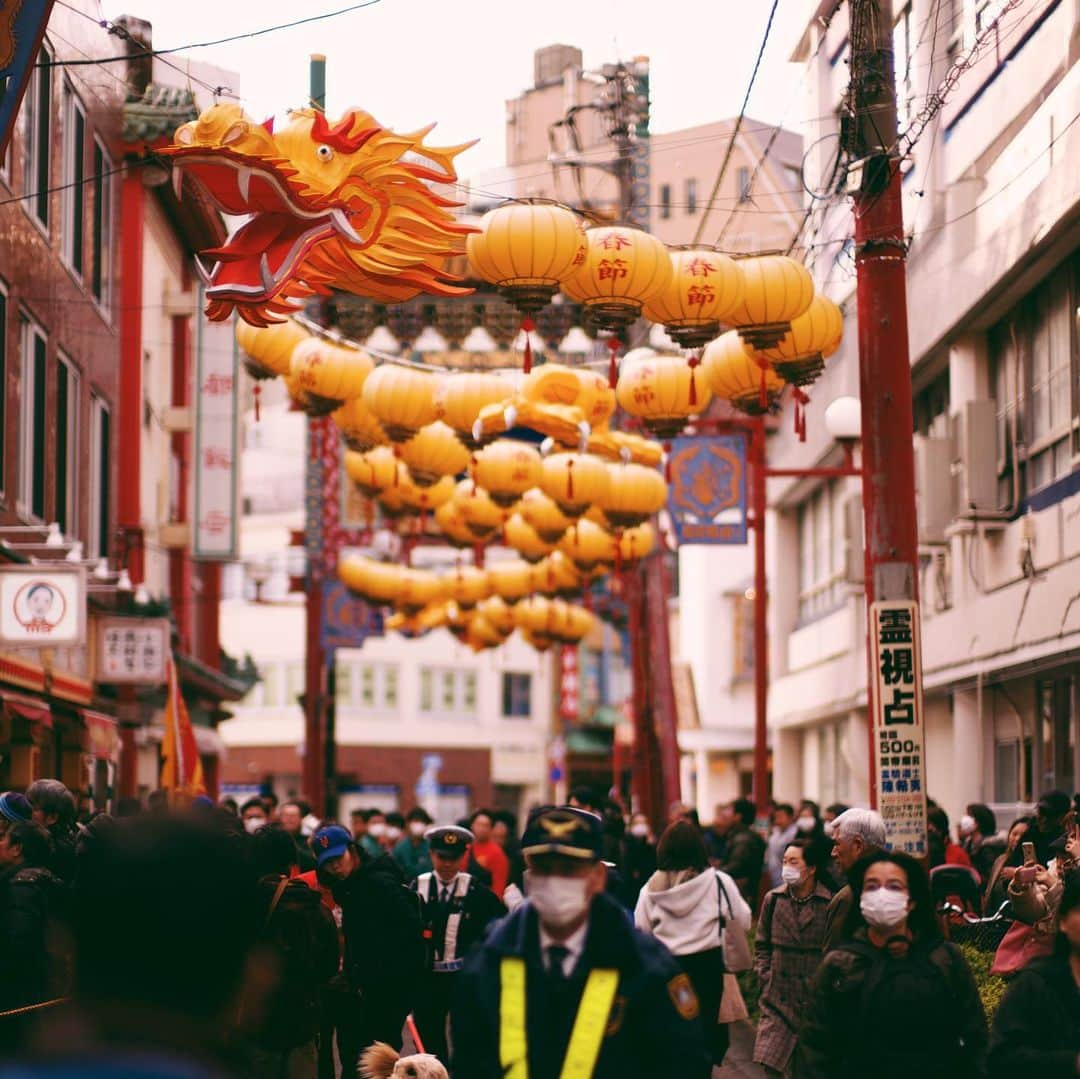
42,606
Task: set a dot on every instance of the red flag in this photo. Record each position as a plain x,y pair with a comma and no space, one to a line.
181,769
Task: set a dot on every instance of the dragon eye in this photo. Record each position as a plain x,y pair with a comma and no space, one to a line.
324,153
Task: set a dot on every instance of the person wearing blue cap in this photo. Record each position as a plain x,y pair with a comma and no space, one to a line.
566,985
14,808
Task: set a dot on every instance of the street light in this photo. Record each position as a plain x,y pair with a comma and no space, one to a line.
843,419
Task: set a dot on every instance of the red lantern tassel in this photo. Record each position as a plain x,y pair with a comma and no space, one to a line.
667,461
613,345
478,556
801,401
528,326
569,479
257,389
693,361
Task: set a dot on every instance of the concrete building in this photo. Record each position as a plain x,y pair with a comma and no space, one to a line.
992,209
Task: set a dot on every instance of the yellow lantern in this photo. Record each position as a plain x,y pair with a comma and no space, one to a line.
520,535
635,543
777,290
506,470
705,288
734,374
466,586
556,575
433,453
359,429
533,614
329,374
402,399
481,635
377,582
540,641
574,481
268,349
451,522
462,396
663,391
814,336
570,622
557,384
623,269
374,471
392,499
587,545
634,495
546,518
511,580
499,613
417,588
425,499
481,514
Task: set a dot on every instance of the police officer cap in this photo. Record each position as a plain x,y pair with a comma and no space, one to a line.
574,833
449,840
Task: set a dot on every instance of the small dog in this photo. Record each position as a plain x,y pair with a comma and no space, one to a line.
381,1061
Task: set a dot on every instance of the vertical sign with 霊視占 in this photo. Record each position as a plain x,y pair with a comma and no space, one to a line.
707,489
216,458
22,28
897,706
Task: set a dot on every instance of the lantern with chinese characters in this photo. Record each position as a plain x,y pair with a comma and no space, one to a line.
587,545
360,430
733,373
425,499
461,397
635,543
481,514
268,349
574,481
417,588
511,580
776,290
663,391
402,399
466,586
452,524
814,336
526,249
328,373
634,494
377,582
520,535
433,453
506,470
705,288
545,517
372,472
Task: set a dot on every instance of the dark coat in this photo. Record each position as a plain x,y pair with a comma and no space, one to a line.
647,1036
835,919
744,856
479,907
1036,1029
31,900
894,1018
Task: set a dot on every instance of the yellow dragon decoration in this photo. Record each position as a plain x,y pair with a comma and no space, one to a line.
345,205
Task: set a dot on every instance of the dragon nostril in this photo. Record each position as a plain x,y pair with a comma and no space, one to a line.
234,134
185,135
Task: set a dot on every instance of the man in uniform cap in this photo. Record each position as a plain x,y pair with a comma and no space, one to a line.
565,985
457,909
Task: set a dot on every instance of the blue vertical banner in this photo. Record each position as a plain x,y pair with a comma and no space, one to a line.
22,28
707,489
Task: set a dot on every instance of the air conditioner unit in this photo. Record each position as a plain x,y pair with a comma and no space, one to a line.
934,496
854,565
975,456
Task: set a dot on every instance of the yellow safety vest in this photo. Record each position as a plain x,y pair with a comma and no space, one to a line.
589,1025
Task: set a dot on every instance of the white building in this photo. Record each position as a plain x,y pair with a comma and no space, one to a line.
992,209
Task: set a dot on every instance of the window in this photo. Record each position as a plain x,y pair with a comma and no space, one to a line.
904,61
447,692
516,695
743,183
67,446
73,169
931,408
368,686
1034,361
665,201
986,13
821,552
32,464
37,109
100,476
691,196
101,238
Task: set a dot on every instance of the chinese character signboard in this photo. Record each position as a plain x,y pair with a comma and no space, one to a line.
569,683
22,28
132,651
42,606
707,489
216,451
346,621
898,723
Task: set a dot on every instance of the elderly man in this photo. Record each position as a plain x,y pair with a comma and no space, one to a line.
856,834
565,985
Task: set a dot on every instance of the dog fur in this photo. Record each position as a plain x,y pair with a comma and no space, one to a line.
382,1061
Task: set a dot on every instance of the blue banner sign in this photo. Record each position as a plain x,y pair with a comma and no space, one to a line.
22,27
707,489
346,621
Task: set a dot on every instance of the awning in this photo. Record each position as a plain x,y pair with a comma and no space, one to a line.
102,735
28,708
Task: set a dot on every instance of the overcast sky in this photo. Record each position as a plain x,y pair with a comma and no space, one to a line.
411,62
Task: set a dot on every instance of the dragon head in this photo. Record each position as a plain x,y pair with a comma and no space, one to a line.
345,205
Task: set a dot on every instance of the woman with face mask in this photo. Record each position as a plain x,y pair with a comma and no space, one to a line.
684,905
893,1000
787,952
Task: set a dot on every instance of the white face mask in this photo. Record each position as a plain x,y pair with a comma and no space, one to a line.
558,900
805,824
967,825
253,824
791,874
377,829
417,827
884,909
640,830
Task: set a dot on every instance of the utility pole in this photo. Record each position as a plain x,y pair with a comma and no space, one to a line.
888,480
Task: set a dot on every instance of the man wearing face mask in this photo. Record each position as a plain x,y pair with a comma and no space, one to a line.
253,815
412,851
857,834
565,985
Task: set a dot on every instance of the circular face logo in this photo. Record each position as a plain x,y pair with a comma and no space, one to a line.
39,607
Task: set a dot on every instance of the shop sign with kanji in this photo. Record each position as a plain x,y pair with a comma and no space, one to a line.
898,723
132,650
569,683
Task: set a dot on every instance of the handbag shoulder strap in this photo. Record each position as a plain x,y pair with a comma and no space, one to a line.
721,899
282,885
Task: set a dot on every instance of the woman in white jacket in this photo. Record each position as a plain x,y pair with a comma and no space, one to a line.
680,905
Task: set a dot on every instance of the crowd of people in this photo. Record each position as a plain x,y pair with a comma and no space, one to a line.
202,940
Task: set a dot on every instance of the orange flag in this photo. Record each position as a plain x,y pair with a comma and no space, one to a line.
181,769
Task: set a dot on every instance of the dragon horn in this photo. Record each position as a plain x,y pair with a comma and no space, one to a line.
268,123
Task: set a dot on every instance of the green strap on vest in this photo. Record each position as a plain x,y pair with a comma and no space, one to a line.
589,1025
